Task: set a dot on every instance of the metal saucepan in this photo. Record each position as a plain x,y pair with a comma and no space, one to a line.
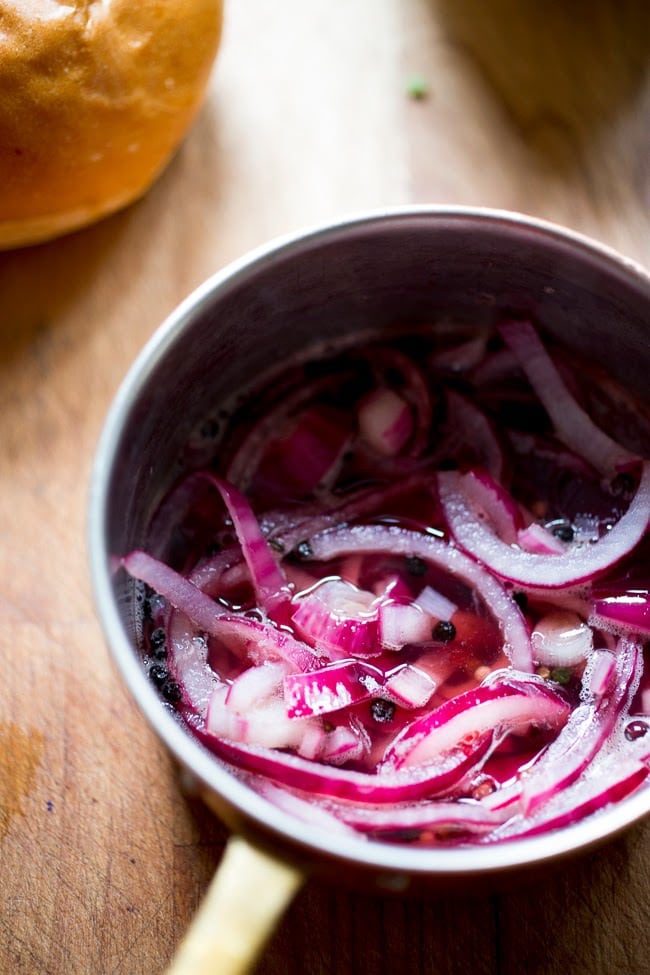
403,266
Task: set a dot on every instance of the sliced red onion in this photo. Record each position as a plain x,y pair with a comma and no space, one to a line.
588,728
601,673
536,539
345,743
392,587
303,809
176,589
330,688
188,663
339,618
293,529
629,611
309,457
580,563
572,424
409,686
561,639
435,604
220,572
610,783
312,741
270,585
475,431
391,540
260,642
415,389
464,721
256,684
399,624
385,421
266,724
489,498
274,422
447,819
321,780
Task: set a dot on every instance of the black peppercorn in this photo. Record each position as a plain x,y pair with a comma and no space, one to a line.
304,550
171,691
157,641
564,532
158,674
415,565
382,710
444,631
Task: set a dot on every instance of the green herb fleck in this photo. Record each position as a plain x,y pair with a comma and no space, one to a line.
561,675
417,87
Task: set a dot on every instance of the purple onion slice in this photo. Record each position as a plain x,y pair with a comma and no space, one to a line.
391,540
581,563
573,426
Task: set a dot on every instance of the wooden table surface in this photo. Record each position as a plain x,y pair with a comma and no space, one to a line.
536,106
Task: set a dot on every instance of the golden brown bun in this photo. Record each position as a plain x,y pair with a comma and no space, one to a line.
95,95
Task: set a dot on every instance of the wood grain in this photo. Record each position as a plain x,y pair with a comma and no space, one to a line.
534,106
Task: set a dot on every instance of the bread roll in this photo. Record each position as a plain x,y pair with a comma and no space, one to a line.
95,95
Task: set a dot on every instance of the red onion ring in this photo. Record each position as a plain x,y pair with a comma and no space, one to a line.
581,563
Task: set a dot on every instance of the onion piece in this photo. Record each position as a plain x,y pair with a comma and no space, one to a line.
391,540
271,588
188,663
573,425
243,465
611,782
448,819
464,721
491,498
409,686
385,421
320,780
473,429
287,529
261,642
345,743
302,809
262,718
435,604
629,610
400,623
536,539
414,389
338,618
176,589
588,728
581,562
603,666
308,457
331,688
561,639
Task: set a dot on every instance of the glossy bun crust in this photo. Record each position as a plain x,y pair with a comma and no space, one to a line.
95,95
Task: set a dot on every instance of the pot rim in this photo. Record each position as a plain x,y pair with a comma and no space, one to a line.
267,819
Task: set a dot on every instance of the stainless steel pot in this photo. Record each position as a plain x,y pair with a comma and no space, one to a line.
403,266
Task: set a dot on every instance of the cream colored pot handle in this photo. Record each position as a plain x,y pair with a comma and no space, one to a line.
248,894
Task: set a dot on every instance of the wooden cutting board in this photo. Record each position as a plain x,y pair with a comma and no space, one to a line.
530,105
